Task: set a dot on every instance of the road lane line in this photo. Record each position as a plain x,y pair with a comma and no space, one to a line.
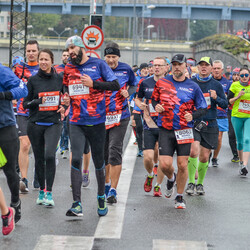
110,226
62,242
179,245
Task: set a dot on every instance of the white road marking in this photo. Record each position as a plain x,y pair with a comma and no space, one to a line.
57,242
110,226
179,245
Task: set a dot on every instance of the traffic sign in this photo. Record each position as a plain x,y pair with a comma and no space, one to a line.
248,56
92,37
92,53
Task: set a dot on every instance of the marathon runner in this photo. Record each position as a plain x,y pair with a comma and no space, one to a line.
206,128
175,97
86,79
117,118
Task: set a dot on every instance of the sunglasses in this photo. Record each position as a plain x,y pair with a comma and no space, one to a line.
242,75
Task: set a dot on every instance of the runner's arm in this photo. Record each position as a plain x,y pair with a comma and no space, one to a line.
199,112
113,86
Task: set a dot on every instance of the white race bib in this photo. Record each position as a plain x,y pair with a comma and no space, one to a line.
52,101
77,90
244,106
208,100
184,136
113,118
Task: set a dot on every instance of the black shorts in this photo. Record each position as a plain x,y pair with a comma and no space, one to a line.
150,137
168,144
208,137
114,143
22,122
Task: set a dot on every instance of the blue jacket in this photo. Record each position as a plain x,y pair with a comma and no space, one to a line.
10,82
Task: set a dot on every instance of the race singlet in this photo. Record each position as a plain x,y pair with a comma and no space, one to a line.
113,119
77,90
208,99
244,106
184,136
52,101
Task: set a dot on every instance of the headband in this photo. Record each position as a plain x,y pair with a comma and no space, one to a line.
112,51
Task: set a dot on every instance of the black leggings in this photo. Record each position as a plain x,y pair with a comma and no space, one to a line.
139,129
9,145
231,135
96,137
44,140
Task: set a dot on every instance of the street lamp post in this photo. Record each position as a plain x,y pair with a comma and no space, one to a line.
59,35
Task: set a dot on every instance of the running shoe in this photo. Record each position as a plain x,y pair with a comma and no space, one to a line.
102,209
23,185
180,202
157,192
75,210
8,222
111,198
235,158
215,162
170,187
17,207
41,198
148,183
85,179
140,153
49,200
65,154
190,188
243,171
200,189
155,169
107,188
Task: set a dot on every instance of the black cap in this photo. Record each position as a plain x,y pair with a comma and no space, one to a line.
180,58
143,65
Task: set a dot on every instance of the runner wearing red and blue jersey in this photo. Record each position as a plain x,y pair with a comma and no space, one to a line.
85,80
175,98
117,118
24,71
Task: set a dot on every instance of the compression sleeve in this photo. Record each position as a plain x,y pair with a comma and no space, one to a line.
199,112
113,86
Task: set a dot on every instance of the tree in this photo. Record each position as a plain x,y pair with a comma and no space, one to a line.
202,28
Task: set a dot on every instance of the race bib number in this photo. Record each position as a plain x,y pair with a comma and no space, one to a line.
208,100
152,111
52,101
77,90
244,106
184,136
113,119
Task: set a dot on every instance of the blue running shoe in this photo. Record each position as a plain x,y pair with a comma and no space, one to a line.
107,188
140,153
111,198
49,200
41,198
75,210
102,208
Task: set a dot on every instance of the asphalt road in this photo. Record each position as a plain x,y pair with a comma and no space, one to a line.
217,220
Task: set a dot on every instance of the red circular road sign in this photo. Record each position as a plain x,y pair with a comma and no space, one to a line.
92,37
92,53
248,56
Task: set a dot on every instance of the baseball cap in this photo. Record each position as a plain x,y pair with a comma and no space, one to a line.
17,60
191,61
143,65
75,40
180,58
236,71
150,65
206,59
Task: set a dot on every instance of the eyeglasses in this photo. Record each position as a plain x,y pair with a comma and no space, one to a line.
242,75
158,65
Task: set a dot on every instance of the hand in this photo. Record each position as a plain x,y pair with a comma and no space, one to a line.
124,93
66,99
213,94
143,105
87,81
159,108
188,116
62,111
43,99
241,93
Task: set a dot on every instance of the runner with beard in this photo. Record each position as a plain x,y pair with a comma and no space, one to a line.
175,97
85,80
